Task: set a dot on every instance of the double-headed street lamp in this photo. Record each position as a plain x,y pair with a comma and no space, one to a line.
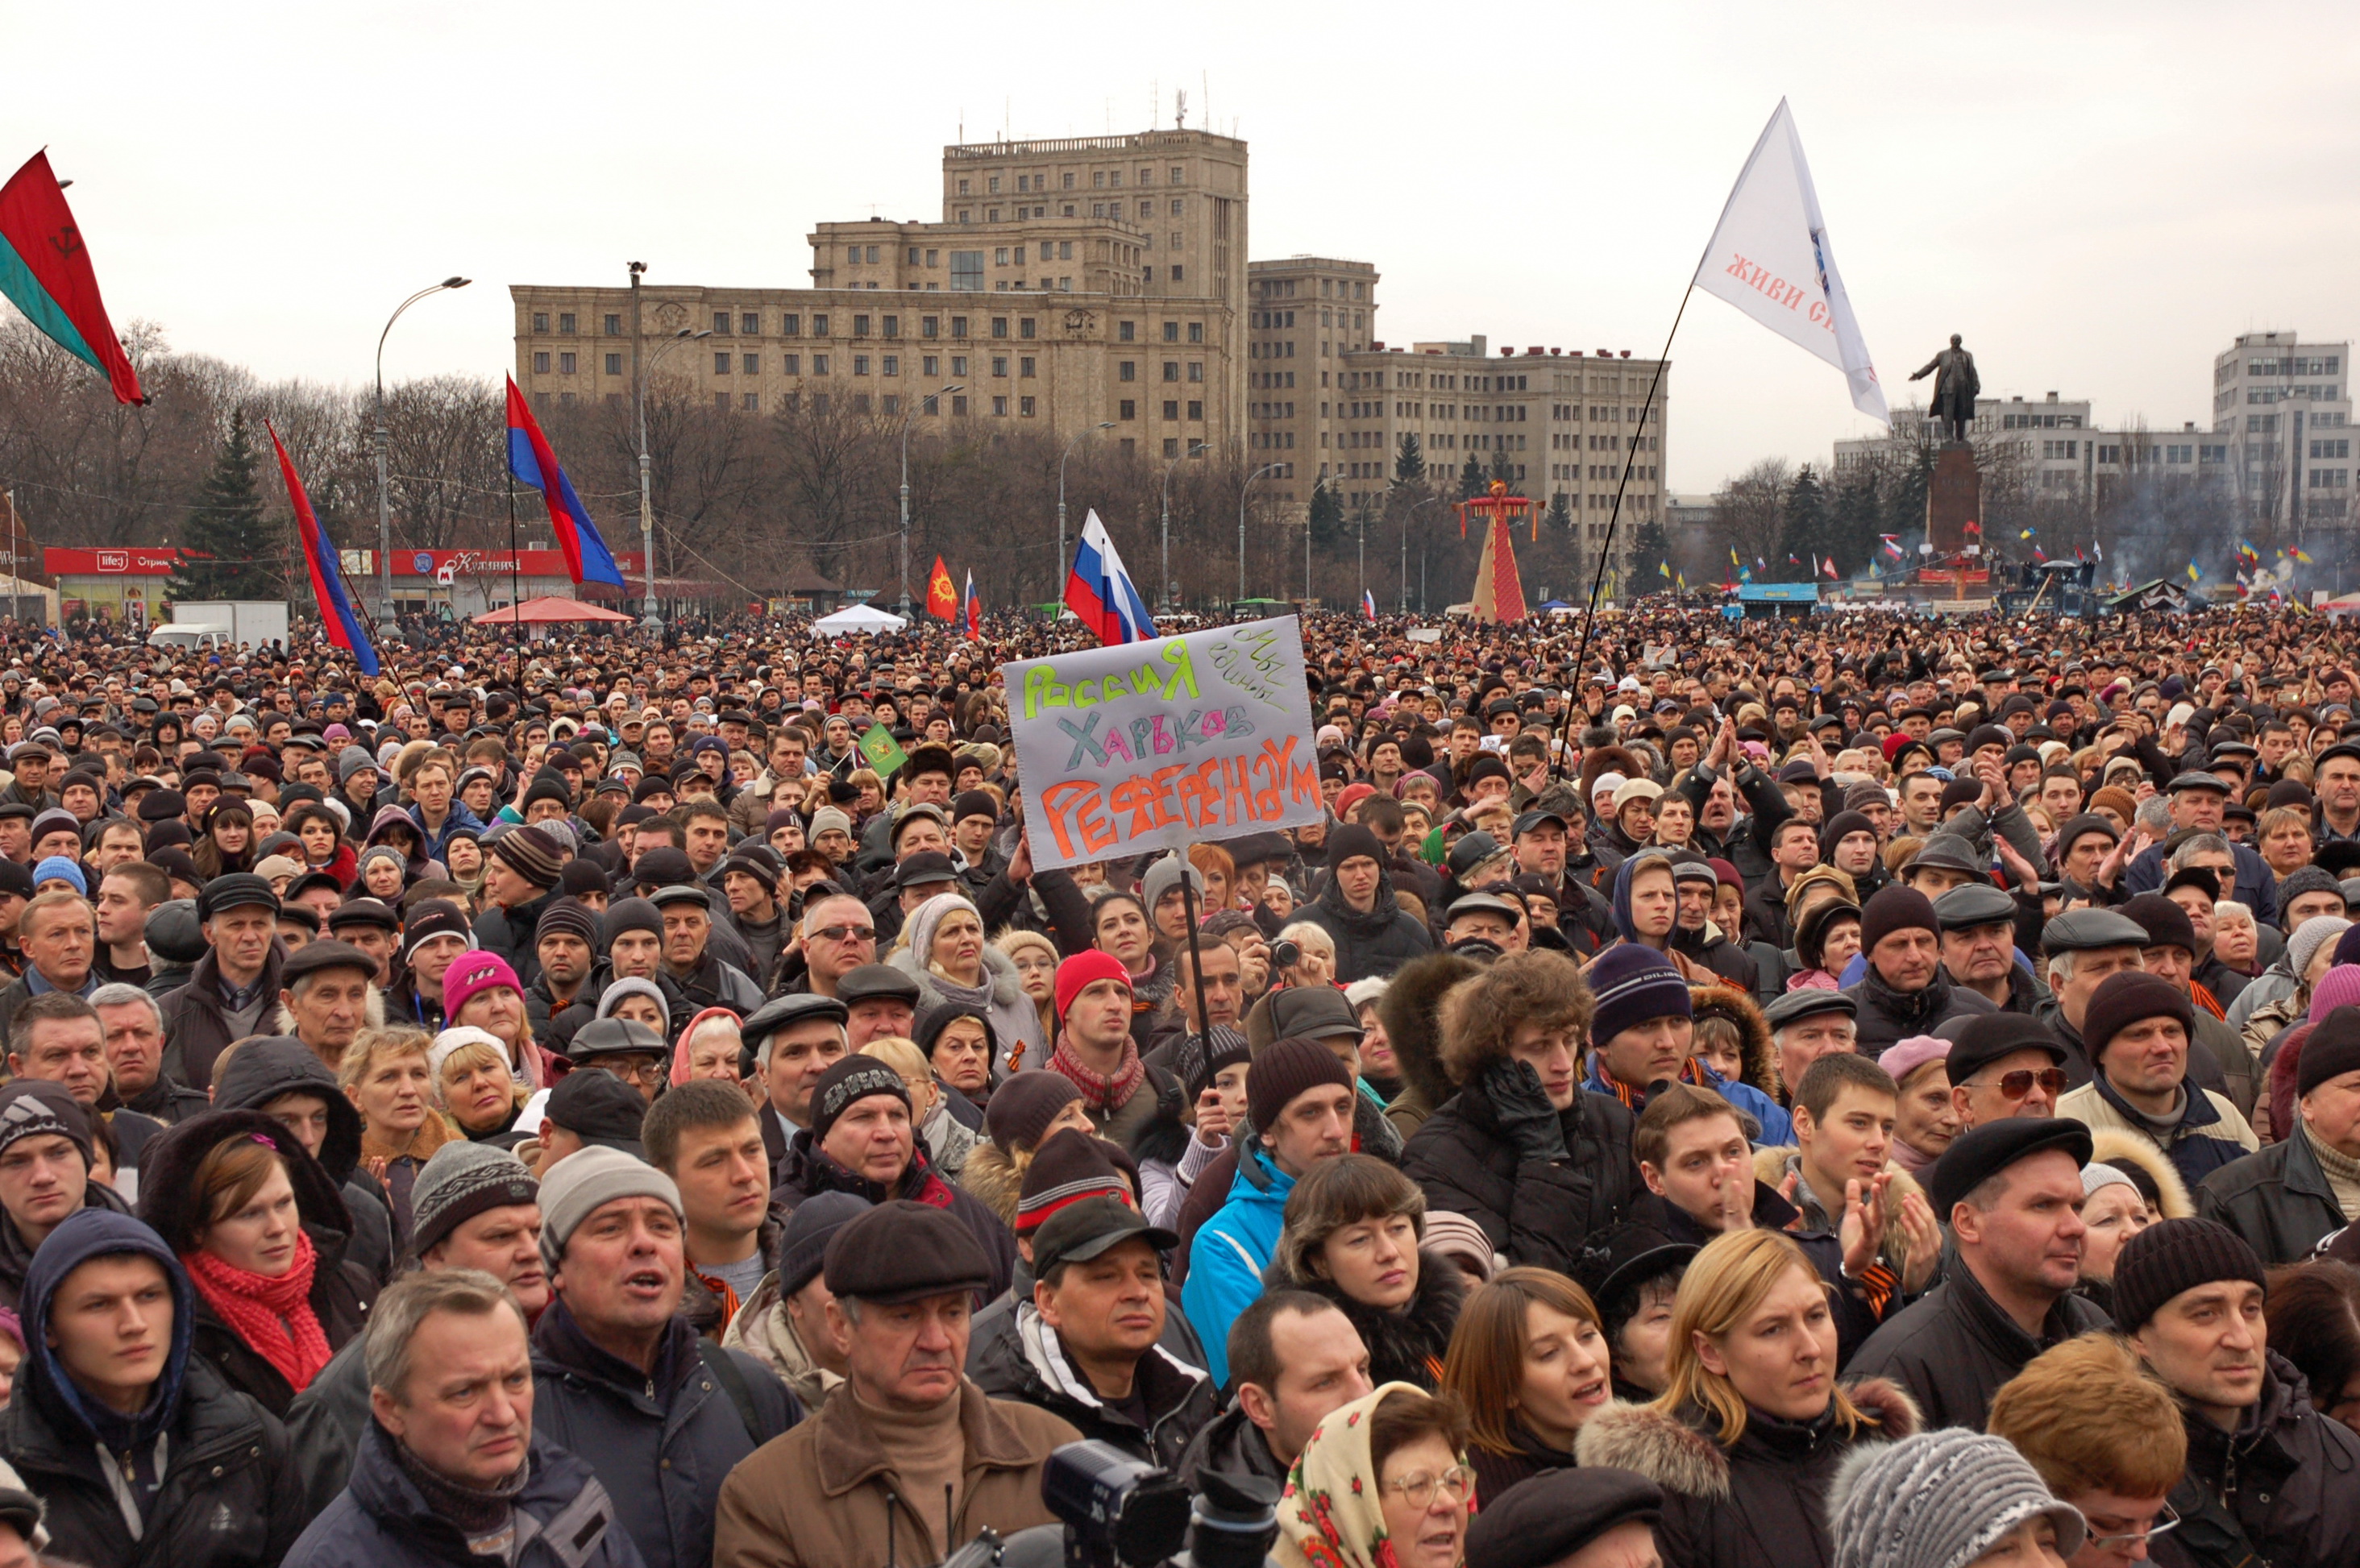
1056,584
383,501
936,398
648,619
1164,597
1242,492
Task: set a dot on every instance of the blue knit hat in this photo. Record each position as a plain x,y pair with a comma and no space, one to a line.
1635,984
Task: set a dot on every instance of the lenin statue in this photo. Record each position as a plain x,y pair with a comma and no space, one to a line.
1955,386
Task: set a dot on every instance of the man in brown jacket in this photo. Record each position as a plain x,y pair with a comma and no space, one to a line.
908,1459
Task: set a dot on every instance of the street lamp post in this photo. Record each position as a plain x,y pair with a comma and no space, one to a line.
1242,491
932,398
1056,584
648,620
384,501
1164,596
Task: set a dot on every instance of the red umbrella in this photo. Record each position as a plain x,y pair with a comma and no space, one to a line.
548,610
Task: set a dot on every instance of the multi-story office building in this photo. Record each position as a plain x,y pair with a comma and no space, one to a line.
2056,450
2285,407
1068,283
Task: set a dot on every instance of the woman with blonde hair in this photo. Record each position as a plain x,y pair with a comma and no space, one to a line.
467,1069
388,1077
1035,958
1530,1361
1747,1435
1382,1483
943,949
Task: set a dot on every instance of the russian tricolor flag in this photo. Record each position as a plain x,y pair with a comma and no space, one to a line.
1102,594
336,615
1369,603
974,602
587,558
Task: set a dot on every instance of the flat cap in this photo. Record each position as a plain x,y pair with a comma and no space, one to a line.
613,1037
682,893
236,890
780,1011
866,982
2196,780
314,956
1976,904
1312,1012
1545,1521
1951,852
901,1252
363,912
924,869
2080,930
1981,1153
600,1109
1804,1002
1987,1036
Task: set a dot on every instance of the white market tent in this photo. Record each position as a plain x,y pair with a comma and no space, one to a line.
857,618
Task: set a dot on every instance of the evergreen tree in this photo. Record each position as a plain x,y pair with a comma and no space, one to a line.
1856,518
1470,478
1504,471
1556,561
1805,534
1327,514
243,556
1409,461
1649,550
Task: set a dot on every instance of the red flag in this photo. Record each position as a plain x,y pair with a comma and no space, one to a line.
45,272
973,610
942,594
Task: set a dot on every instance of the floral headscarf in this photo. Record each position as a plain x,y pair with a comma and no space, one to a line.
1330,1515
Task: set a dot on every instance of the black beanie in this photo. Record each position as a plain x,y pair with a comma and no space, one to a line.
1840,826
1284,1069
2172,1256
2121,999
2331,1050
2165,922
1351,839
1893,909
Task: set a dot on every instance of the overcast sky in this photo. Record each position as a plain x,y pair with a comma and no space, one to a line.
2099,196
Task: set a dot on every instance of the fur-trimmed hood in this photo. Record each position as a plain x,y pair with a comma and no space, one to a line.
2116,1147
1599,762
999,972
1533,985
1757,1059
1412,1011
1680,1457
1770,1167
994,1178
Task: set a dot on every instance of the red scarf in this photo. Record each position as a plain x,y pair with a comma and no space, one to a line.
272,1316
1100,1091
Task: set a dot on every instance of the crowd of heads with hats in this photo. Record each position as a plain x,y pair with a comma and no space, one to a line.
1974,1011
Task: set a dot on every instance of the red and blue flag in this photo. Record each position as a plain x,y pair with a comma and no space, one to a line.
45,272
1367,603
342,623
974,604
587,558
1101,592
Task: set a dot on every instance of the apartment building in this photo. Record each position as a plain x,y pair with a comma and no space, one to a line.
2285,408
2055,444
1068,283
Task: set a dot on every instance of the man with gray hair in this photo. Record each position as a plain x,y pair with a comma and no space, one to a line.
60,940
134,1022
450,1468
661,1414
57,1038
839,936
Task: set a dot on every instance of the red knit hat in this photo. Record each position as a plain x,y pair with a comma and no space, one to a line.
1085,969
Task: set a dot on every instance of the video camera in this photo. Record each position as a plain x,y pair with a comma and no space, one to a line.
1122,1512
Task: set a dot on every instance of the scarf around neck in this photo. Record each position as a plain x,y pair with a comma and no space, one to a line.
1100,1091
273,1316
484,1516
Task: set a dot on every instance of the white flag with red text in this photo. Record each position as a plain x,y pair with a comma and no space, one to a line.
1770,257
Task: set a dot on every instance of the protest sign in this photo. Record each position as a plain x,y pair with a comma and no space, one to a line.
1162,743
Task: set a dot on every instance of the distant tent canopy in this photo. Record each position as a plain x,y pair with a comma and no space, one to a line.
857,618
549,611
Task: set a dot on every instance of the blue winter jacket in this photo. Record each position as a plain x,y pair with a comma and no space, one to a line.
1229,1252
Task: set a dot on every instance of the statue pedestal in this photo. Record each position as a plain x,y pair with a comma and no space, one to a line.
1953,499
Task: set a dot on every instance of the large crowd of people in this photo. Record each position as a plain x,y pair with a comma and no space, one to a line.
1853,1092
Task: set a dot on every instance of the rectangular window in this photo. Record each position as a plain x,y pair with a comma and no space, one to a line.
1128,410
1147,208
1000,364
819,365
1171,370
958,408
892,403
751,402
751,323
1196,331
720,365
541,320
614,326
751,364
721,323
792,363
565,322
1067,182
819,404
1024,327
852,254
999,408
1196,410
1171,410
1195,370
859,365
933,366
890,325
1170,332
958,365
2331,448
613,364
967,270
1000,256
914,257
1065,250
933,258
958,326
872,256
1098,179
790,326
999,326
861,402
1126,370
1126,331
861,326
891,365
1024,366
1024,407
819,325
930,326
1175,275
565,363
540,363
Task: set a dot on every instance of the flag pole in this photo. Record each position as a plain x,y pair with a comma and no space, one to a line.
516,591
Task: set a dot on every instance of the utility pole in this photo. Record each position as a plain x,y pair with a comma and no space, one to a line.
639,413
1165,597
384,499
1243,490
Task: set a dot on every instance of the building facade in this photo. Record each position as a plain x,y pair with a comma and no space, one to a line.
1068,283
2058,451
2285,407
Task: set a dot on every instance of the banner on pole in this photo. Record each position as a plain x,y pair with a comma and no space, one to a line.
1162,743
1770,257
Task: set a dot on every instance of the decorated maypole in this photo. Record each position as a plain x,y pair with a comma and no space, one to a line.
1498,589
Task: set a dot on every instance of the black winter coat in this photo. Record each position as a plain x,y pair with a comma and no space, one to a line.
1758,1503
1889,1018
1371,945
1953,1348
1537,1214
804,1171
1407,1345
341,1294
1230,1445
2278,1199
2288,1478
384,1520
230,1495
